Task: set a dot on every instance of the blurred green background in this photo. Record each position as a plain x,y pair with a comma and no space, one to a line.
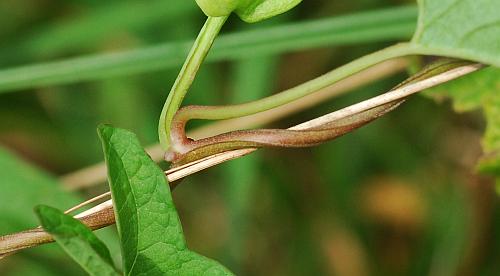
397,197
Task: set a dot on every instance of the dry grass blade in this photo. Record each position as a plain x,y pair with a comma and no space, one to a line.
102,215
96,174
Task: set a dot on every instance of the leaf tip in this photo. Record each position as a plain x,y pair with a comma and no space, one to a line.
39,209
47,216
104,129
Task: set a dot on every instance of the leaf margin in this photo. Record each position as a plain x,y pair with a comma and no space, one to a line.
77,240
183,261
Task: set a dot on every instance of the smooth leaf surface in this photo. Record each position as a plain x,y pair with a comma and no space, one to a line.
468,29
479,91
77,240
149,227
257,10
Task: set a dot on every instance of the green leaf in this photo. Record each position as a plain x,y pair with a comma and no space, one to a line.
467,29
479,91
77,240
248,10
257,10
146,218
491,142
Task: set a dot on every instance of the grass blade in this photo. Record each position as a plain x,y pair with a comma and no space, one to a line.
381,25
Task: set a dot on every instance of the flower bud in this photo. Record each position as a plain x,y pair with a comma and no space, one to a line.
248,10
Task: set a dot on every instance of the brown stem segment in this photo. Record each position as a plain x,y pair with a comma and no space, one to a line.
10,244
290,138
345,119
185,150
206,147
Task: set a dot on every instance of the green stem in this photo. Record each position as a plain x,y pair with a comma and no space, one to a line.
314,132
239,110
177,134
187,74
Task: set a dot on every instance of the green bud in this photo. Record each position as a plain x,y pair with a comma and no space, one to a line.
248,10
216,8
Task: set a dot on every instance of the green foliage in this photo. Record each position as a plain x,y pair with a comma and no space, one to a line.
468,29
252,79
479,91
77,240
90,30
22,187
371,26
36,187
303,206
248,10
147,221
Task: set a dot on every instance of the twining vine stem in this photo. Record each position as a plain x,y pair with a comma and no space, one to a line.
184,150
198,54
179,145
102,215
96,174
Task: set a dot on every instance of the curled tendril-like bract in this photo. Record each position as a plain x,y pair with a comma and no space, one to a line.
326,128
185,150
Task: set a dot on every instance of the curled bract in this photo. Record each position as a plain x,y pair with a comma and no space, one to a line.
248,10
186,150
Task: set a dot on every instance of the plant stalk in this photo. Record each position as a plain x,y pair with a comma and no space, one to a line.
178,140
96,174
342,72
103,215
186,76
358,115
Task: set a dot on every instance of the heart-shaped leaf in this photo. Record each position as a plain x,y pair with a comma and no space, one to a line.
146,218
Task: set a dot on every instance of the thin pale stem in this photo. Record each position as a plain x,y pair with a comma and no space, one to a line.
185,150
180,143
90,201
287,96
103,215
96,174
